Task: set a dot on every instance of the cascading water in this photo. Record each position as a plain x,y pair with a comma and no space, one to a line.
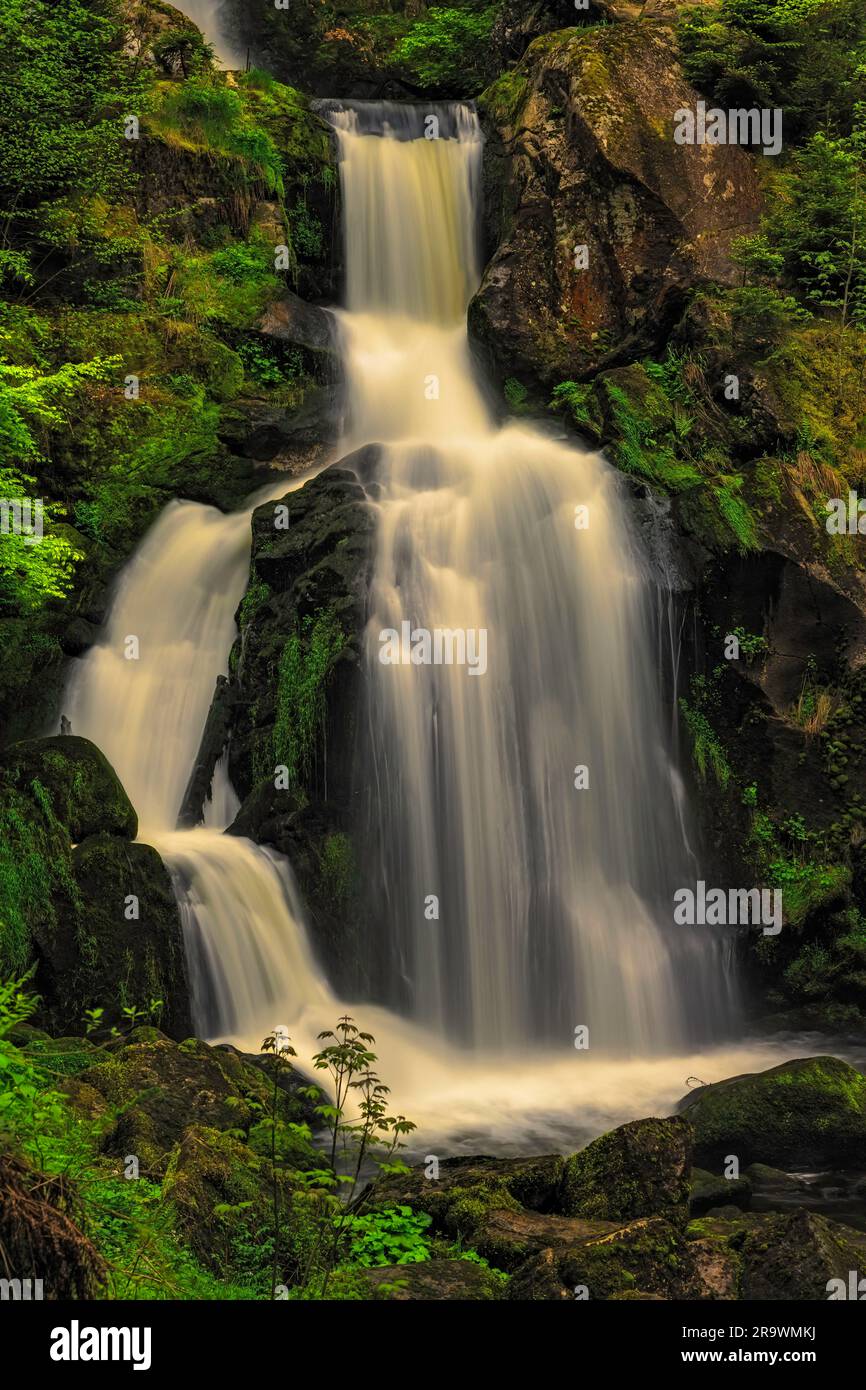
142,695
554,903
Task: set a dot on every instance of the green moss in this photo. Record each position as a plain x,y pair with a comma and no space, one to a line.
504,98
254,599
337,871
306,665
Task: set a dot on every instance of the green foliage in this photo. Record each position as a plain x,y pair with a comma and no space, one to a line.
182,51
34,570
205,111
813,237
646,441
446,46
807,57
578,398
752,645
305,667
36,883
256,595
66,87
392,1236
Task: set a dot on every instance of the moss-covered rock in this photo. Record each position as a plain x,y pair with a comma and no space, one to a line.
439,1280
83,790
649,1255
509,1236
127,950
222,1196
794,1256
467,1190
296,695
158,1087
639,1169
809,1113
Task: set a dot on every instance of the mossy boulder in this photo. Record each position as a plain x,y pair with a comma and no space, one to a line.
649,1255
467,1190
639,1169
809,1113
83,790
793,1256
222,1195
128,946
158,1087
79,898
433,1280
508,1236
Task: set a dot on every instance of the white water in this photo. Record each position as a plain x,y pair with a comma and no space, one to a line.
554,896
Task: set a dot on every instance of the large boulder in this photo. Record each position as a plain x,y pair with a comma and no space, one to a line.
639,1169
79,899
580,152
808,1114
125,946
157,1087
780,1256
82,789
647,1256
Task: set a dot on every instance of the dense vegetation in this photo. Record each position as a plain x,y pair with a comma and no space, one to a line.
134,271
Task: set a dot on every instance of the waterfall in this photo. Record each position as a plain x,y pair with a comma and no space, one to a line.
142,694
510,905
554,903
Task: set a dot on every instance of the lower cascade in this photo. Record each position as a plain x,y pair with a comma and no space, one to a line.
524,831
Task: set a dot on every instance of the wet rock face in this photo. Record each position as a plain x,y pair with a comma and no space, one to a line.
581,154
296,692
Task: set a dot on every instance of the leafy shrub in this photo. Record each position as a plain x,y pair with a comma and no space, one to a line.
446,47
